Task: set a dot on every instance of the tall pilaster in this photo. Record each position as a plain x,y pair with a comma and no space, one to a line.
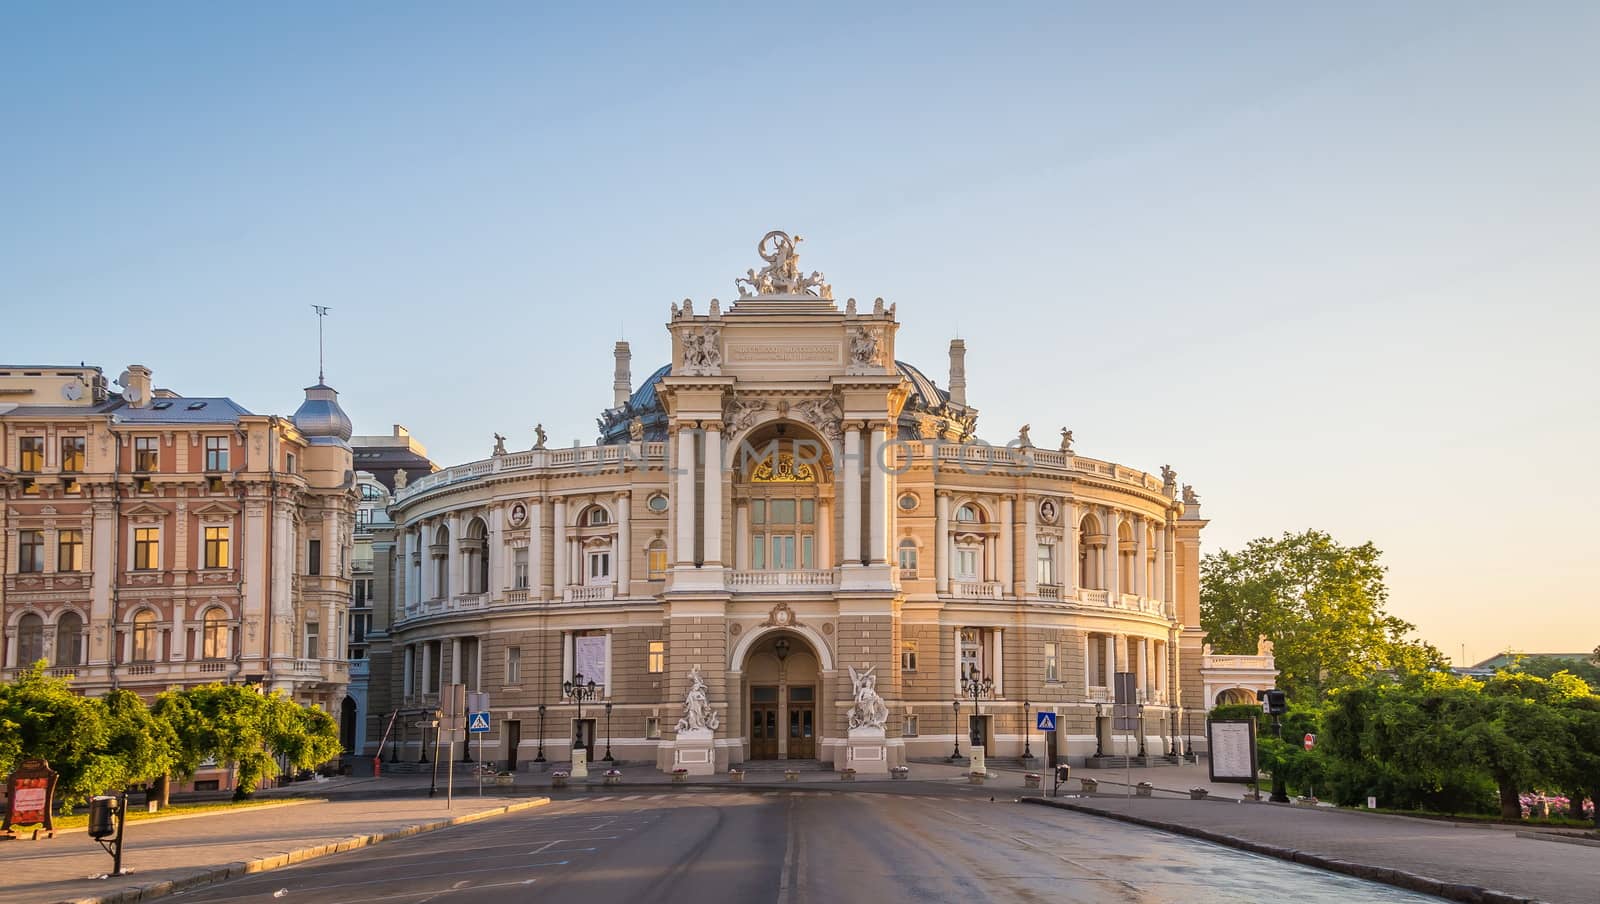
558,550
683,498
1030,547
851,478
713,495
624,551
1008,521
878,502
1141,563
1112,556
941,542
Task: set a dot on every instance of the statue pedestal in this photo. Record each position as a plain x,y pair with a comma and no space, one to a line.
866,751
694,751
580,763
978,766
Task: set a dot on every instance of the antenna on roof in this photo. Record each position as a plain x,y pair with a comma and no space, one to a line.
322,313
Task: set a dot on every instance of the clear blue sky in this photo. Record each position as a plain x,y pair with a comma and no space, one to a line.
1336,265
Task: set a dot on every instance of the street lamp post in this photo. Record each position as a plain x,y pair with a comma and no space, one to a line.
955,732
1099,712
578,691
540,757
608,733
977,689
1027,737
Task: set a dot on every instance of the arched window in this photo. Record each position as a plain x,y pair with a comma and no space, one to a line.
475,547
214,640
967,514
596,516
1091,541
144,636
441,558
908,559
30,639
69,639
1125,559
656,555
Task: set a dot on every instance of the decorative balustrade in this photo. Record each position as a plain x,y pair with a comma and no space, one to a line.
213,665
1093,597
908,574
469,601
591,593
976,590
1215,661
516,597
360,668
1050,592
572,458
758,581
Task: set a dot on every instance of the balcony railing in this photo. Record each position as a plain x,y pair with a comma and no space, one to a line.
976,590
591,593
1092,597
908,574
1216,661
1050,591
769,581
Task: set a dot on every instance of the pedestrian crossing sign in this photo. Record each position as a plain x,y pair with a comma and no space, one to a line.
1047,721
478,722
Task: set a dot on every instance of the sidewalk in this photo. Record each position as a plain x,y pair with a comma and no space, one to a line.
1454,860
168,855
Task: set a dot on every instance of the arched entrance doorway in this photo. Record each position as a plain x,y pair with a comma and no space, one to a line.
782,698
1235,696
347,724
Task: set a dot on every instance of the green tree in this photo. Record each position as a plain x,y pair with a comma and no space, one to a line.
241,725
46,719
1549,666
142,744
1320,603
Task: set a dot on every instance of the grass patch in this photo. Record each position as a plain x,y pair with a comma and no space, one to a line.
137,814
1561,822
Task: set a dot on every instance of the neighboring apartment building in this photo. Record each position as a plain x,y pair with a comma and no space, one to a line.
153,540
727,525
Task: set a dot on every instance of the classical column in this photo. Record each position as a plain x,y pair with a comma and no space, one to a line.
713,495
427,667
559,555
1141,551
425,582
495,549
1110,558
536,549
683,497
955,658
1111,659
566,656
456,567
409,657
998,670
1071,580
851,478
825,559
1170,566
877,503
1161,563
182,649
741,534
1142,666
455,660
1008,562
610,669
1030,546
941,542
624,552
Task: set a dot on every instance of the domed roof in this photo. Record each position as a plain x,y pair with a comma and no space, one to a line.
643,404
923,390
321,420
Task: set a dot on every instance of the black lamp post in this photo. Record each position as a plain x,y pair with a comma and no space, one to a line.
977,689
608,733
1027,737
578,691
955,749
540,757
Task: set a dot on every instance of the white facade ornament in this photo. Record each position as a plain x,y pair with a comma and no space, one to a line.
869,710
866,349
781,275
823,414
741,414
702,352
499,445
697,712
1066,440
1190,497
1023,439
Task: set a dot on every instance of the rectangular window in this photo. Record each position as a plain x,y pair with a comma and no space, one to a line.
216,453
652,727
910,729
32,449
782,511
599,567
30,551
362,596
1051,671
658,560
144,639
72,454
358,627
314,557
69,550
146,548
908,559
758,551
808,511
363,517
658,657
1046,564
519,569
313,640
217,551
908,656
758,511
967,564
513,665
146,453
806,558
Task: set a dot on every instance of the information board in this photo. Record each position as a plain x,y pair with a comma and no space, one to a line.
589,658
1233,749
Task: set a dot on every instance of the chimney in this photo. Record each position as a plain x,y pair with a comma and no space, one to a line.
958,371
136,385
622,383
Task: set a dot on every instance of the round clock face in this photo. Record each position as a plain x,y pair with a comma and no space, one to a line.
72,391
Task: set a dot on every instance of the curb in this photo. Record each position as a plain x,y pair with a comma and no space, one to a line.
273,805
1454,891
299,855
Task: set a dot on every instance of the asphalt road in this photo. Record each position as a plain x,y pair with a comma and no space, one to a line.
796,847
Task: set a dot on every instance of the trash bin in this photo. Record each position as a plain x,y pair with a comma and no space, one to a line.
102,816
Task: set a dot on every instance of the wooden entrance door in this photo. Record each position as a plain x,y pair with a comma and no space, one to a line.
802,722
763,723
513,734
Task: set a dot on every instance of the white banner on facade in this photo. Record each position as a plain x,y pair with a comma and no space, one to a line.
589,658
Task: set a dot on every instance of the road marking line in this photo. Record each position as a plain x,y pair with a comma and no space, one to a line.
633,797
